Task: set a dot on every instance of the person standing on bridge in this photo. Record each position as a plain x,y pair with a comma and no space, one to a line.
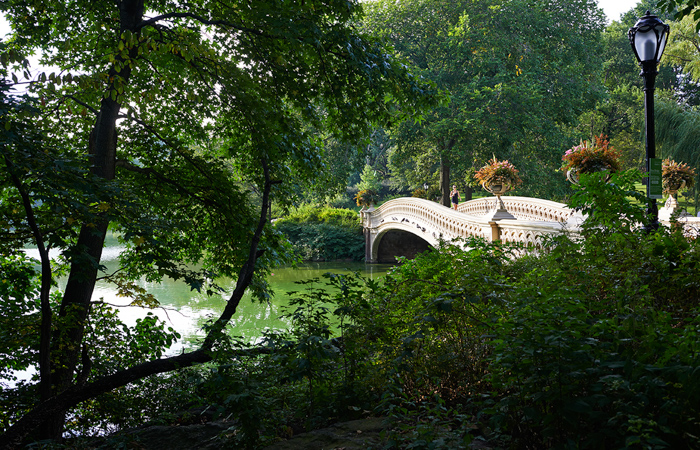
454,195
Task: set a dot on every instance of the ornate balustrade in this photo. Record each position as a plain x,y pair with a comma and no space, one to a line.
525,208
434,222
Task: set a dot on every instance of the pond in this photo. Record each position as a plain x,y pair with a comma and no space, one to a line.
186,310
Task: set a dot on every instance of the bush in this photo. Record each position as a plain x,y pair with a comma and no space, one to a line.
324,242
590,343
324,234
331,216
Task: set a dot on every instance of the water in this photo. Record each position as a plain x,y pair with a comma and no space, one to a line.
186,310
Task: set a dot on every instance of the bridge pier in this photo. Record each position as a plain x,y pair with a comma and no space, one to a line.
368,245
495,231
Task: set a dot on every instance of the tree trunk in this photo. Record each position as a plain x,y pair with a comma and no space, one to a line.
445,181
468,193
73,395
66,342
445,187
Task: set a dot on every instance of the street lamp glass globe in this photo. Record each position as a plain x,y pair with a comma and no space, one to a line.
648,38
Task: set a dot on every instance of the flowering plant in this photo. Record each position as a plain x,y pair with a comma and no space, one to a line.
673,175
366,197
592,157
420,193
498,172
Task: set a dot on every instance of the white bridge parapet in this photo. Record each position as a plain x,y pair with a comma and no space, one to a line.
525,208
433,222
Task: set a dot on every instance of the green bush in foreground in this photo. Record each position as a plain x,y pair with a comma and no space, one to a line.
591,342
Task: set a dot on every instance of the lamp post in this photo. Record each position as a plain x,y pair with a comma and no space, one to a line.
648,39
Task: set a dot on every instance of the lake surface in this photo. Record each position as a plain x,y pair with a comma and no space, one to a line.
186,310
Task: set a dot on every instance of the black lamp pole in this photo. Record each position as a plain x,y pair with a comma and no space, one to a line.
648,39
649,73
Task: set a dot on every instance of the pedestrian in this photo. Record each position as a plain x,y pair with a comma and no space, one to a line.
454,195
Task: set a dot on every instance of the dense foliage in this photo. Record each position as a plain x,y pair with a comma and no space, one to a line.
517,74
590,341
324,234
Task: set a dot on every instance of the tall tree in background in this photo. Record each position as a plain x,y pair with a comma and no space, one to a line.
175,124
619,114
515,73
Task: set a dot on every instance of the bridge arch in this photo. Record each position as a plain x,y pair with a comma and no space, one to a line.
393,242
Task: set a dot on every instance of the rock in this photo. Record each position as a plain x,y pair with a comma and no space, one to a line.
200,436
356,434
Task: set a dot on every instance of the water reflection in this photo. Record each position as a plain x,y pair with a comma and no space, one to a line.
187,311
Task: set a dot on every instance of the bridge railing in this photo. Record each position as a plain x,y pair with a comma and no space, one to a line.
526,208
434,222
534,219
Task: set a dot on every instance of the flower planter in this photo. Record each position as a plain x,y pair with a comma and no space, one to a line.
675,177
499,212
572,175
671,205
497,189
498,177
590,157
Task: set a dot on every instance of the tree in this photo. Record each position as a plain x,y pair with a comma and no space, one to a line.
175,125
682,9
515,72
619,113
369,180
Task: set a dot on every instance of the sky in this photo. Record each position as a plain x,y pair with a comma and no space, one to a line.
614,8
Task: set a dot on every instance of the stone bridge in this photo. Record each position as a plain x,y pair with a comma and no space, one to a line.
407,226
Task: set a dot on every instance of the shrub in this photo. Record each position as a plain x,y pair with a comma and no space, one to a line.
331,216
324,234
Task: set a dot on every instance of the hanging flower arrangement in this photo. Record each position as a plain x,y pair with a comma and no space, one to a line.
676,176
590,157
498,173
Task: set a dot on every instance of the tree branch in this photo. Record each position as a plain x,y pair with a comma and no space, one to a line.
198,18
245,276
46,276
76,394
